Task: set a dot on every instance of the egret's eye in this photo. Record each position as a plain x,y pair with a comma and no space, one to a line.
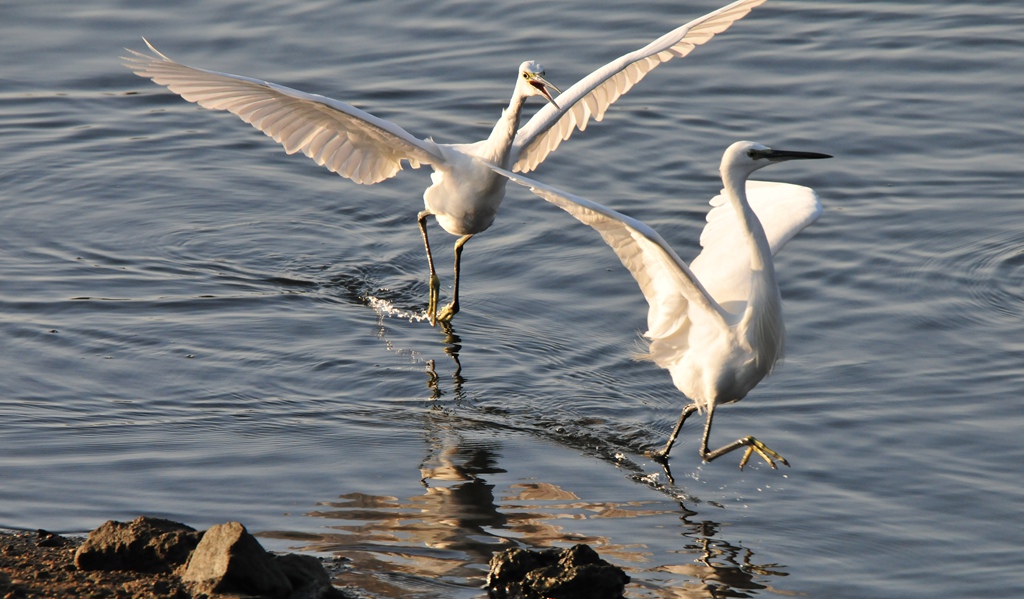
755,154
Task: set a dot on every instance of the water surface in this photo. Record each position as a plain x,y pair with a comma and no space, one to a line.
197,326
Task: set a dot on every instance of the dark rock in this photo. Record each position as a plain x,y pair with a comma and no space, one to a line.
308,576
142,545
224,561
574,573
512,565
230,560
45,538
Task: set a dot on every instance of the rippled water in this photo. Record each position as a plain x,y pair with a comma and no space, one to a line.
197,326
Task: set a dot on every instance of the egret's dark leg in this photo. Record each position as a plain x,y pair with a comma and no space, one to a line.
663,454
435,283
453,308
751,443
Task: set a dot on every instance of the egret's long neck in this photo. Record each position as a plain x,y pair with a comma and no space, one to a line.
762,319
499,144
760,251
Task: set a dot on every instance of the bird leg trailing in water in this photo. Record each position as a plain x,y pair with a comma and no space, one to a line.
751,443
663,454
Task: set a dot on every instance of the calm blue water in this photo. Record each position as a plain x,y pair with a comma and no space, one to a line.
195,325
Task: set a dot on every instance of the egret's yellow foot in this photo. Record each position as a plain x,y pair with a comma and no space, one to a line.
754,445
447,313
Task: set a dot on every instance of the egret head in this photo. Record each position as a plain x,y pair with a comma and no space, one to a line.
532,81
745,157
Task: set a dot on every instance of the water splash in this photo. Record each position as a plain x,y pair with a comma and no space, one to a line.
386,308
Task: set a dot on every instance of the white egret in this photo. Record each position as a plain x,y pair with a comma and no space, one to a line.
716,325
465,194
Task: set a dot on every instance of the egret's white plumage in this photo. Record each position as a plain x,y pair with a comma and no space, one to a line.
715,325
465,194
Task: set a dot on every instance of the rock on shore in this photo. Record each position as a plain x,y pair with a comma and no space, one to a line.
224,560
151,558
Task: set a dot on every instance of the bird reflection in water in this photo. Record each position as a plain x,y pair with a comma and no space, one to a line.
720,569
438,543
452,347
430,542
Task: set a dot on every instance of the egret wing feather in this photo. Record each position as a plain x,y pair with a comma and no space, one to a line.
592,95
723,265
674,294
340,137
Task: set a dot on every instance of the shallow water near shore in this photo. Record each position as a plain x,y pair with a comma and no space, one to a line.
196,326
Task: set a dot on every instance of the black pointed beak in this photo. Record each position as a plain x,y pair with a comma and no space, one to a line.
780,155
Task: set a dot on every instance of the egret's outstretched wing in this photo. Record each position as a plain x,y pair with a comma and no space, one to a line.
675,296
723,266
346,140
592,95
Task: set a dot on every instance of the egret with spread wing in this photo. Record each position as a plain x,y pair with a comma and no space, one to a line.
465,194
716,325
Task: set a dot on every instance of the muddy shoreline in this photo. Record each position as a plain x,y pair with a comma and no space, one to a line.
40,564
